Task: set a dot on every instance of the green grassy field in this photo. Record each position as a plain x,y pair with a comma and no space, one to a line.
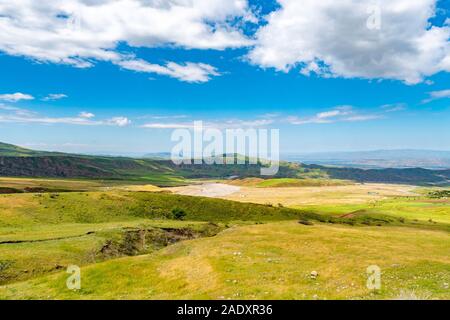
41,233
21,210
43,249
270,261
10,185
131,245
416,209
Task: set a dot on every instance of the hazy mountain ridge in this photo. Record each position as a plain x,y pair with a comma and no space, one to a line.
408,158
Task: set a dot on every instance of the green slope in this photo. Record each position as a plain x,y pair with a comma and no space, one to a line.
39,233
20,162
9,150
235,250
98,207
271,261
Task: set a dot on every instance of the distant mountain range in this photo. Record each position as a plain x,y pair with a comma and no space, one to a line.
158,155
159,170
428,159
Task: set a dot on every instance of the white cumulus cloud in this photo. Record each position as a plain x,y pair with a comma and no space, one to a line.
435,95
224,124
158,125
14,97
18,115
354,39
383,39
337,114
54,96
86,115
80,32
119,121
188,72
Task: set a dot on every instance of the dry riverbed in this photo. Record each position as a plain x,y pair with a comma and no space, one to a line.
298,196
210,190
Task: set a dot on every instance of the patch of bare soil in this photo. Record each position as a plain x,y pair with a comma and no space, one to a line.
210,190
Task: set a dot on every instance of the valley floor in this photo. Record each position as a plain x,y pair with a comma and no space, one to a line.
297,196
143,242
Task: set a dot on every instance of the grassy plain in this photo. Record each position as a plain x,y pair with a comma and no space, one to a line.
270,261
129,245
10,185
43,232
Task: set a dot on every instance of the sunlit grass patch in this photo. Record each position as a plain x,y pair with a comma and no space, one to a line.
270,261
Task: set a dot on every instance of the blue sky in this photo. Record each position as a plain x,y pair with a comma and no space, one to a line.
118,90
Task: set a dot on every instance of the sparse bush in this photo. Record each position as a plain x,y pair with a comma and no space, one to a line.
440,194
178,214
5,264
322,219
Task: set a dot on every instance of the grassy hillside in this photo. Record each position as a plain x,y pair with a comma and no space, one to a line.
271,261
41,233
20,210
34,185
19,162
42,249
9,150
156,172
227,249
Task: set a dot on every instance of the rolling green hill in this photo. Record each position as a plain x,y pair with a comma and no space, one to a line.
10,150
41,231
20,162
220,249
